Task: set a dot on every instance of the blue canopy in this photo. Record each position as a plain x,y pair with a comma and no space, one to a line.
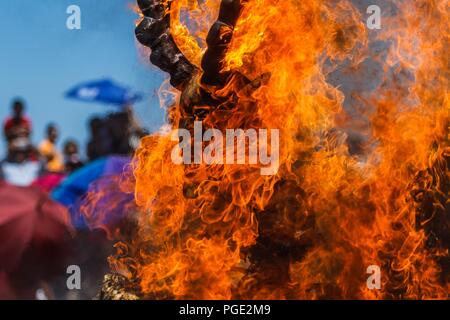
104,91
70,192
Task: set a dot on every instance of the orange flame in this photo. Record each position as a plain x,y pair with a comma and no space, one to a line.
364,150
135,9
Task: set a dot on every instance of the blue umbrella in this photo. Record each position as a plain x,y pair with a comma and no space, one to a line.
104,91
99,173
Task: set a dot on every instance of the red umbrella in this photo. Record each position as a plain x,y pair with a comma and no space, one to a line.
35,235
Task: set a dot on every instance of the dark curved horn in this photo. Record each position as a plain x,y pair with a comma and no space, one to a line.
154,32
218,41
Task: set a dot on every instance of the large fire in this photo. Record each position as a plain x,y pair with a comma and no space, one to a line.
364,154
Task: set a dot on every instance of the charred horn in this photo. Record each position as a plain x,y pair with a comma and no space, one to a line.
154,32
218,41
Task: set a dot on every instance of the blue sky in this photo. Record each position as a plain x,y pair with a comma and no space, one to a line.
40,59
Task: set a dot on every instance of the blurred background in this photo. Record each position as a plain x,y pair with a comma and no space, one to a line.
73,107
41,59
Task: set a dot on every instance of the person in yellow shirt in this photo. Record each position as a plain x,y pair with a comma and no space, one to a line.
48,150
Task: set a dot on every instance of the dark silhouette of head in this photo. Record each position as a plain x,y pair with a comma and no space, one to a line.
95,125
52,133
18,108
70,147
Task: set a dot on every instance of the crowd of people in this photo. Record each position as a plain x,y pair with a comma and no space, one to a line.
31,174
118,134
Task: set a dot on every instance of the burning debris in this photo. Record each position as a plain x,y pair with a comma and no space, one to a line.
222,231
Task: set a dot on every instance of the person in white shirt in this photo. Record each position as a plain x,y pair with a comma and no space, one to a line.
20,168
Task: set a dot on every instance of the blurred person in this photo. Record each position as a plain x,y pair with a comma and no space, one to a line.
99,141
117,134
48,181
72,159
17,125
48,150
21,166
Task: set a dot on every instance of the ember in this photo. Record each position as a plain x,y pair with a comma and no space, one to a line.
364,159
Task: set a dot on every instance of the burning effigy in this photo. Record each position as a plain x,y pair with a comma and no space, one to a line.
362,179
